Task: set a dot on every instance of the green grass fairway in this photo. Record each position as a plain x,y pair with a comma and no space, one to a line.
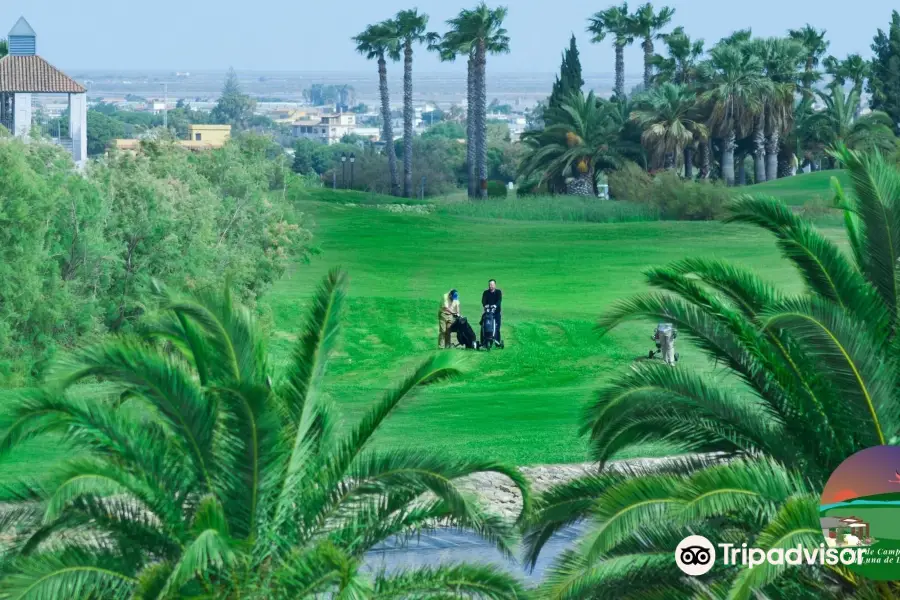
521,404
800,189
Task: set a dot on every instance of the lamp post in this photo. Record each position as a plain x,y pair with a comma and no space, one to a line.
352,160
343,168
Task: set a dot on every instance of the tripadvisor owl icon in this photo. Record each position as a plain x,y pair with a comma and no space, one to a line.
695,555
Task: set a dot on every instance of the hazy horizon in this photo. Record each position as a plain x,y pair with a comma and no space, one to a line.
282,37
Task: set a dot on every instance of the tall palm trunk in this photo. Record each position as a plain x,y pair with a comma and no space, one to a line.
620,71
481,127
728,144
759,149
471,111
772,155
388,128
688,162
705,158
647,45
407,119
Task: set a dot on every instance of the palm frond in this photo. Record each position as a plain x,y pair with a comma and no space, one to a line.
877,186
797,523
459,581
68,575
864,377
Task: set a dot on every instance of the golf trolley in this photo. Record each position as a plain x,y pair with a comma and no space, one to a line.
664,333
489,333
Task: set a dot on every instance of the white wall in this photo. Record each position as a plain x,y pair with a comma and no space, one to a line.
78,127
22,115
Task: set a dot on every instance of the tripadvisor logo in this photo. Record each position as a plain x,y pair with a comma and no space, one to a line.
696,555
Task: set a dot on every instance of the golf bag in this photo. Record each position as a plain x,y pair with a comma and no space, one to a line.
489,337
465,335
664,335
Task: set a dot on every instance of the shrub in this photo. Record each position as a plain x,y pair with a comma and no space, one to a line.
630,182
676,198
496,189
79,252
668,194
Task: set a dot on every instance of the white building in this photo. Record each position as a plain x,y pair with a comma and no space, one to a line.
22,75
327,130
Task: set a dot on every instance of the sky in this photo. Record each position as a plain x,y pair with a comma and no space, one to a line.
269,35
870,471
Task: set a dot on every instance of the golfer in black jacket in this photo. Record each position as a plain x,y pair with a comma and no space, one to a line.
493,297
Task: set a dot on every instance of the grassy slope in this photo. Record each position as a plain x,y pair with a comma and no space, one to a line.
798,190
521,404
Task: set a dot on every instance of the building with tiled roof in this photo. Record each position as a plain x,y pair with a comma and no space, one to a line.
23,73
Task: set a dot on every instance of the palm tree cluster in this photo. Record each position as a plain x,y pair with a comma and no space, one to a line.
473,33
715,108
192,474
809,380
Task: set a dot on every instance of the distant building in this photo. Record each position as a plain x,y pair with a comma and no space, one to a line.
200,137
213,136
24,73
329,129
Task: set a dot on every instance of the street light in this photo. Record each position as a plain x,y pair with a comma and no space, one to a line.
352,160
343,168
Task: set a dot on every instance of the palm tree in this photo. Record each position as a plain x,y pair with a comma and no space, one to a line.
408,28
816,46
840,124
375,43
853,68
810,378
4,48
668,117
645,24
684,55
581,140
202,478
781,58
449,48
481,30
614,21
735,94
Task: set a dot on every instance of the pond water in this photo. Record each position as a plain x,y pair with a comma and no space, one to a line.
452,546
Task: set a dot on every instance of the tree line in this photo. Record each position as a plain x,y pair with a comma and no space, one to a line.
777,100
79,253
473,34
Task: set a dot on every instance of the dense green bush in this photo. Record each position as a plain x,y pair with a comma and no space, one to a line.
630,182
668,194
79,253
496,189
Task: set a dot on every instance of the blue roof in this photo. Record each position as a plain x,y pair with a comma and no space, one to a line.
22,29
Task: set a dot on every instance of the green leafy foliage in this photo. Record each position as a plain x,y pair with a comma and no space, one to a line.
207,478
81,252
234,107
569,81
809,380
669,195
884,83
496,189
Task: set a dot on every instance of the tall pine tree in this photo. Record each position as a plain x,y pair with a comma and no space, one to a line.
884,82
569,80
